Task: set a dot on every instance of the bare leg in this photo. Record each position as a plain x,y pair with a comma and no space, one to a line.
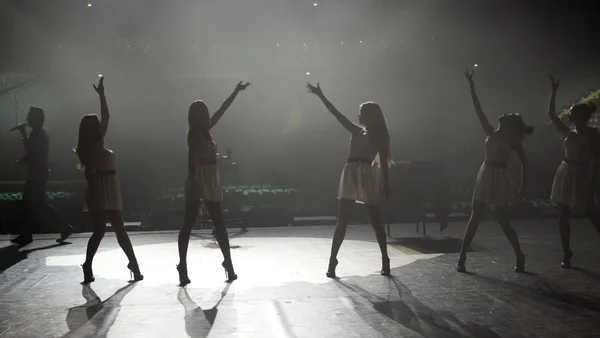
99,225
216,214
344,213
183,240
118,225
503,215
564,227
477,210
375,217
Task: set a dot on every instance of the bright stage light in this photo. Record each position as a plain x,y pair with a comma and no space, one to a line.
315,4
475,65
100,75
89,5
307,73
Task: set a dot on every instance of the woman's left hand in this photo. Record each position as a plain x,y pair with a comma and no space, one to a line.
241,86
100,88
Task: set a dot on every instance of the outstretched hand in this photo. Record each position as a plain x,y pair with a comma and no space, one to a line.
314,90
554,82
469,76
241,86
100,88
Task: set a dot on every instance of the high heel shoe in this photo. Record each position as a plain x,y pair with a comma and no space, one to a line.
134,270
88,275
385,267
520,263
460,267
183,276
229,273
566,260
333,262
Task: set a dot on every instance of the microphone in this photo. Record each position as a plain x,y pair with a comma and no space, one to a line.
19,126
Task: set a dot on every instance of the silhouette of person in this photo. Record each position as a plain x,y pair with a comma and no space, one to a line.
103,196
36,206
360,181
492,186
203,183
577,175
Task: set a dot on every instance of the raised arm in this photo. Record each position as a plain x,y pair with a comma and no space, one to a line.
487,127
219,113
104,114
349,125
556,121
518,148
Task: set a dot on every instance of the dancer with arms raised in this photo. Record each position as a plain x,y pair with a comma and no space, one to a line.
360,181
575,179
103,197
493,186
203,183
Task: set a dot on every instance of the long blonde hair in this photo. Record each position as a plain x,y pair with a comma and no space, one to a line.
371,116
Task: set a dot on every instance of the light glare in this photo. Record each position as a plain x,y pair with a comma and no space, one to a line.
89,5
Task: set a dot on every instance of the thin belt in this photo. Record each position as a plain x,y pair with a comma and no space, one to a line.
500,165
575,163
105,173
358,160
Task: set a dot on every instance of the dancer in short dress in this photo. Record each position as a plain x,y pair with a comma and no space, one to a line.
573,187
103,196
361,181
203,184
492,186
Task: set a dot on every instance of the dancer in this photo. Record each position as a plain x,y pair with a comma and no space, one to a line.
492,186
573,187
103,197
203,183
38,171
360,181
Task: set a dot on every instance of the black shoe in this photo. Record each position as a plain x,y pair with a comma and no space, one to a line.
229,273
333,262
65,234
566,260
22,240
385,267
183,276
520,263
134,270
88,275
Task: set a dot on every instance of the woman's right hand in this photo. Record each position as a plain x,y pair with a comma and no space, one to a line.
314,90
554,82
469,76
100,88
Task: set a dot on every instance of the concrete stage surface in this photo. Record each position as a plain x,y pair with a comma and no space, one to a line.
282,290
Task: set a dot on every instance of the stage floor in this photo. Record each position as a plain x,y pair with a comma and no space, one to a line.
282,290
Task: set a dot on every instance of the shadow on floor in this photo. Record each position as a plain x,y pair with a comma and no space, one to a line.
424,245
11,255
548,293
199,322
411,313
95,317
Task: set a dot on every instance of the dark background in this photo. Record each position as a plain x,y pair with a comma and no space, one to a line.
159,56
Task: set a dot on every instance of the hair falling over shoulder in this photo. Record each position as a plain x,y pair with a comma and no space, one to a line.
371,116
89,140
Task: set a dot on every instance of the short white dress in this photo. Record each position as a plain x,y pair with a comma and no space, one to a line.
206,183
572,184
493,186
360,179
104,193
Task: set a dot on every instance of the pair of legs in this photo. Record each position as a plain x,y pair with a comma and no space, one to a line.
564,226
503,217
216,214
36,207
115,217
344,213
